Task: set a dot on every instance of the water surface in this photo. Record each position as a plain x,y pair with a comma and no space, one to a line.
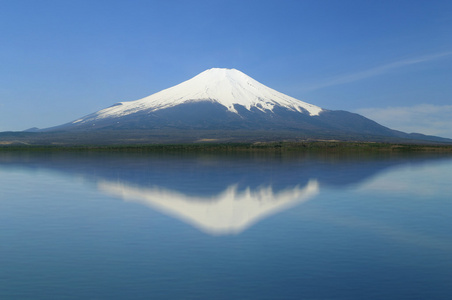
235,226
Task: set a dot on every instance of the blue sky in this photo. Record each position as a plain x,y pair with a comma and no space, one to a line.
388,60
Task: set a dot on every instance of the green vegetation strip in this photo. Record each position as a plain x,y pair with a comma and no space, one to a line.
316,146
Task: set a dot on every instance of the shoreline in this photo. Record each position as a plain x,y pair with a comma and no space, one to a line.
305,146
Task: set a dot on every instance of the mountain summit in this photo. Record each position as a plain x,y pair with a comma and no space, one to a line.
229,101
228,87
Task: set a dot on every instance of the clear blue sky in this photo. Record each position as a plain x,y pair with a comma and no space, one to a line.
389,60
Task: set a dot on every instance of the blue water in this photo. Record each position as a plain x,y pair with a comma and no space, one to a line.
248,226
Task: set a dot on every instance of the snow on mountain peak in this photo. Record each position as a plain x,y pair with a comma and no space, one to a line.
224,86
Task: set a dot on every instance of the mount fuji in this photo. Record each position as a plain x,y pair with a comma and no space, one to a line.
229,101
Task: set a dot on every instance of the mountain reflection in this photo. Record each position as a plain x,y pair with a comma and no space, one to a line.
230,212
218,194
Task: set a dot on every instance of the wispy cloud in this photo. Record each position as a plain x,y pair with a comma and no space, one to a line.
351,77
424,118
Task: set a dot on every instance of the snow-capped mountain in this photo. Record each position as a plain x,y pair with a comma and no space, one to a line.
229,100
214,99
228,87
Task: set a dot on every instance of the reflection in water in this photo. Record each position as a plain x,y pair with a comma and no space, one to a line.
218,194
229,212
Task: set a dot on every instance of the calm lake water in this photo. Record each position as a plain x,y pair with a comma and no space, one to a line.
249,226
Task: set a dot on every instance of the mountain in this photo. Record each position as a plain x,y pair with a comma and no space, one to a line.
216,97
229,100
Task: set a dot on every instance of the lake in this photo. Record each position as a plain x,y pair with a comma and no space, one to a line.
232,226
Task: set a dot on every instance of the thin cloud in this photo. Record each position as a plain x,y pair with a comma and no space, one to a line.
424,118
347,78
